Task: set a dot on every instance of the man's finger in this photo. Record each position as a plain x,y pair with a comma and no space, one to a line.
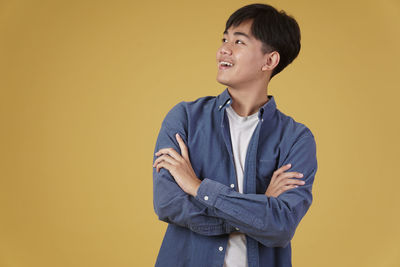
166,158
183,147
170,151
282,189
282,169
283,182
288,187
165,165
294,182
290,175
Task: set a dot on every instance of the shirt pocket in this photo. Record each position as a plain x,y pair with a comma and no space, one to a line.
264,171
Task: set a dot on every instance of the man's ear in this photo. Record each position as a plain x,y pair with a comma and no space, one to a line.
271,61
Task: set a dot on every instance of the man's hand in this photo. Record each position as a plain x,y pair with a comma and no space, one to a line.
281,182
179,167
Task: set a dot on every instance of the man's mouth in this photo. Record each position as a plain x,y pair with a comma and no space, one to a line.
224,65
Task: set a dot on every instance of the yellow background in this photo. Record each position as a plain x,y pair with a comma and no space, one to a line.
84,86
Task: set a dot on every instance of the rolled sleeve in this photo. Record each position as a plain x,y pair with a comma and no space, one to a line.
209,191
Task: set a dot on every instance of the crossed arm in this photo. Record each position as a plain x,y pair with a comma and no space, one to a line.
211,208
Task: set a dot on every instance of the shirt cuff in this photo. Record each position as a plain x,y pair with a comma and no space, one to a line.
208,192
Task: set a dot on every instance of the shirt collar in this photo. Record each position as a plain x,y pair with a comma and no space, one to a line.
265,112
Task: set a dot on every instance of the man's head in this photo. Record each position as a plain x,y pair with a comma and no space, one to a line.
272,43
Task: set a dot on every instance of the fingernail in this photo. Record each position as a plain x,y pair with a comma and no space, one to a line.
289,164
302,182
177,135
301,175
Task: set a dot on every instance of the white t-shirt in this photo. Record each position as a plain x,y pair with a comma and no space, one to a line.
241,129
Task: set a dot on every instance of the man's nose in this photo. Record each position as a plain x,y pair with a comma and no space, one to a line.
225,49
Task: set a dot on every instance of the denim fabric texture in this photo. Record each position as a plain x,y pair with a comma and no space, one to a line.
199,227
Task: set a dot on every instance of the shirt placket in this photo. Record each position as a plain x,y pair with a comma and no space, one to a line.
250,188
227,140
249,176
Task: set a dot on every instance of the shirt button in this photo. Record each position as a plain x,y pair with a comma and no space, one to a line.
229,101
237,228
220,106
232,185
205,197
221,248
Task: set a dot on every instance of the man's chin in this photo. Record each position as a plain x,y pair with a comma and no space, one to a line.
223,82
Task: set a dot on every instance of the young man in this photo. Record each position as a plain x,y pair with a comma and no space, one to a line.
221,165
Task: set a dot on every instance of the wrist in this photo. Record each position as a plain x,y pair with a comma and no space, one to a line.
195,187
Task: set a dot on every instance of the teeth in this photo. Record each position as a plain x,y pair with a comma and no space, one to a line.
226,63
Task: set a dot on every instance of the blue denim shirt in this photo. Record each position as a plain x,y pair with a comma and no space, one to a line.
199,227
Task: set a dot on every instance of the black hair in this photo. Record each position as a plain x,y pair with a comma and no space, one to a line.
275,29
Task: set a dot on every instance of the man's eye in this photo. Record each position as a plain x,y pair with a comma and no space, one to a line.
224,39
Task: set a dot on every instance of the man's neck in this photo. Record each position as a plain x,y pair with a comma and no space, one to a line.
248,101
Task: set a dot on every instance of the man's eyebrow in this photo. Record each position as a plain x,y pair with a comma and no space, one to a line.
239,33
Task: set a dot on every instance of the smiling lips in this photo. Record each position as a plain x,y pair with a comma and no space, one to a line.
224,65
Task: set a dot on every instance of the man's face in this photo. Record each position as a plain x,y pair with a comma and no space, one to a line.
240,48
